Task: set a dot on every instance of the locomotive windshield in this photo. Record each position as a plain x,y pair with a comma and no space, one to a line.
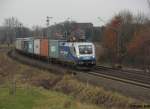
85,49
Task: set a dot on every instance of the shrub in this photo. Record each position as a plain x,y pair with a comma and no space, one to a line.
91,94
47,81
69,86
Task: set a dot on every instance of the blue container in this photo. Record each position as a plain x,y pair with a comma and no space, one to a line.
31,46
28,45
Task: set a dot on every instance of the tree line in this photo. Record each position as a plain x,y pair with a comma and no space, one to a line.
126,39
12,28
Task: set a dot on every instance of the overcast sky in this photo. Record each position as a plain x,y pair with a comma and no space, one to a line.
34,12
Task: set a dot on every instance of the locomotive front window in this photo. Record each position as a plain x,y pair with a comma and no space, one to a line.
85,49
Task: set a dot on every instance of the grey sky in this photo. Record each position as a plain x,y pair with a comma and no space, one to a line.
34,12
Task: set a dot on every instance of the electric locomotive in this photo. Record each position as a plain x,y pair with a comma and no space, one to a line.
78,53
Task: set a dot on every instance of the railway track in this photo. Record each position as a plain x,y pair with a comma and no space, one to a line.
37,63
138,78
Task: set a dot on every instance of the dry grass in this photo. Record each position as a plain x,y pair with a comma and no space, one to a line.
91,94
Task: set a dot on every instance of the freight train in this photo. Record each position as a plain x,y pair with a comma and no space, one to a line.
80,54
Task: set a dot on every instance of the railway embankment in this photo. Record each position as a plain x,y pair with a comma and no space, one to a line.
27,77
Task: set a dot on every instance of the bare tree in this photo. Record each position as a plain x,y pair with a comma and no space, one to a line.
11,24
37,31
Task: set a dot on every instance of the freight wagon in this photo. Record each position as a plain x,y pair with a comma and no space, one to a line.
72,53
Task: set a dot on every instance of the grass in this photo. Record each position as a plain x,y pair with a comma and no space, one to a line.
38,98
22,100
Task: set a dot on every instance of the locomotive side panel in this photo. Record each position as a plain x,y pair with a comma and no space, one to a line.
66,55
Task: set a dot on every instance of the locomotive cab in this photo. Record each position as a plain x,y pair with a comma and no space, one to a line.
85,53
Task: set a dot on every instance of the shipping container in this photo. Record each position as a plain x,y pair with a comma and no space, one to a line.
31,46
37,46
44,47
54,48
25,46
28,45
22,45
18,44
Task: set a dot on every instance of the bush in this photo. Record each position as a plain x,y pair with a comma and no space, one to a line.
69,86
91,94
47,81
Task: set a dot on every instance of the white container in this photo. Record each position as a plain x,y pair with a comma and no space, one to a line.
37,46
18,44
